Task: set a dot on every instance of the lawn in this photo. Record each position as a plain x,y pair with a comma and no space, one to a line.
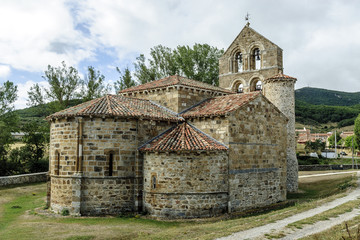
22,216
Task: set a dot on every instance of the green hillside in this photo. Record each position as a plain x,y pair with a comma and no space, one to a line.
318,96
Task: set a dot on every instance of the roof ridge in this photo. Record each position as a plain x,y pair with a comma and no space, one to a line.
96,100
109,104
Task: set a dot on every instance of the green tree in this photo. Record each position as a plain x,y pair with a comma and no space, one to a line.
93,85
331,139
316,146
125,80
8,122
349,142
199,62
357,130
63,82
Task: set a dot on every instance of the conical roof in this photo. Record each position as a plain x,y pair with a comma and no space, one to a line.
118,106
280,77
183,137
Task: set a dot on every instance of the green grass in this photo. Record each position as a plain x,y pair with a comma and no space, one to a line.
18,223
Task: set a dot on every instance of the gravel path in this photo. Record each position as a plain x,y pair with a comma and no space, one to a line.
258,232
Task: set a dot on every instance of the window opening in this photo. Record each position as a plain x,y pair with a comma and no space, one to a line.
240,88
111,163
153,182
239,62
258,86
257,58
57,159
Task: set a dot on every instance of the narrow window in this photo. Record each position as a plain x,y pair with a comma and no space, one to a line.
257,58
238,62
57,163
153,182
111,162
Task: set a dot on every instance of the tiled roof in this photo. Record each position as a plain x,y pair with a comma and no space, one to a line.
175,80
183,137
280,76
219,105
118,106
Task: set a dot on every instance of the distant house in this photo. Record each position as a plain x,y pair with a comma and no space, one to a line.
18,135
304,135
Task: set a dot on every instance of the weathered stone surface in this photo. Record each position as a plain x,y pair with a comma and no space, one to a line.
23,178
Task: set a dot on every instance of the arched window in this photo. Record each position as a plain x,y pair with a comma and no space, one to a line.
238,62
255,85
255,62
111,163
258,86
153,182
57,163
240,88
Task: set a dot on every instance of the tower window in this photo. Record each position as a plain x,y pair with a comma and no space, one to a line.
258,86
257,58
240,88
238,62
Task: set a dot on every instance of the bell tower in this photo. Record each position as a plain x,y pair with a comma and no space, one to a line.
250,59
254,63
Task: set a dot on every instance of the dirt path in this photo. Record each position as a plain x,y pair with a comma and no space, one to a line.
259,232
326,174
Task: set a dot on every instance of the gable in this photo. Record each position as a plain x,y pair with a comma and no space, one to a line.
247,38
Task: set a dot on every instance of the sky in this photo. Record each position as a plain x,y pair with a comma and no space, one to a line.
320,38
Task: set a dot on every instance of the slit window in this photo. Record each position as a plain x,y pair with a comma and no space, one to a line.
153,182
111,163
57,163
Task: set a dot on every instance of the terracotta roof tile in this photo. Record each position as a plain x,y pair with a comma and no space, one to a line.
218,106
118,106
280,76
183,137
174,80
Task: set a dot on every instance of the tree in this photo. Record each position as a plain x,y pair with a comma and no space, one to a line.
8,122
93,85
125,80
316,146
349,142
331,139
63,82
357,130
199,63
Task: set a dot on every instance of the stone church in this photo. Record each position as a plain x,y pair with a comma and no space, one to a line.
179,148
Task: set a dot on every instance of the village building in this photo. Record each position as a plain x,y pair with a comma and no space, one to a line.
179,148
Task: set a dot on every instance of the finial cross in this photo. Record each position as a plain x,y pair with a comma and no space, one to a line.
247,17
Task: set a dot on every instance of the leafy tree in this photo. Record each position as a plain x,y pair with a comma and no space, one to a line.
93,85
199,63
357,130
143,73
125,80
331,139
349,142
8,122
316,146
63,83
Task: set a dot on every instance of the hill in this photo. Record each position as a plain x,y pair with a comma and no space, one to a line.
318,96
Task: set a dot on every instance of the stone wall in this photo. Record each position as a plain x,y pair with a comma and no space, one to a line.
325,167
23,178
257,156
185,185
217,127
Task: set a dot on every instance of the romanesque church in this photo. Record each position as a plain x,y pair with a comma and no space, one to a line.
179,148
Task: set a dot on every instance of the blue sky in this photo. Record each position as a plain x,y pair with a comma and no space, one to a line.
320,38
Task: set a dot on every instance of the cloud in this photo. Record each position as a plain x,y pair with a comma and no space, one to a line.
4,71
34,34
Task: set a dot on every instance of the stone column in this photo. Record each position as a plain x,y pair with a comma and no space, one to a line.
76,194
280,91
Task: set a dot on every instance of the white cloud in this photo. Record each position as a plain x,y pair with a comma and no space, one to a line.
34,34
4,71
